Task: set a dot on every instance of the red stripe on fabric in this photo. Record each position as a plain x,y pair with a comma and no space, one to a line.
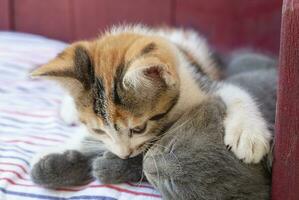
126,191
14,164
140,185
23,141
43,138
26,114
88,186
15,173
93,186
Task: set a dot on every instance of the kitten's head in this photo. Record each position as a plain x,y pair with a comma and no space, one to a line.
124,86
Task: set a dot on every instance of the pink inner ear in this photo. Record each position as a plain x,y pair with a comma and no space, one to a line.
153,72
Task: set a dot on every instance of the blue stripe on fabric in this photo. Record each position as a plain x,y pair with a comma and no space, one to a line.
17,158
38,196
16,151
9,125
57,122
18,147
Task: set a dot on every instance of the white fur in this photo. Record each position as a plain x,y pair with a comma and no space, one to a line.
189,40
246,130
74,143
68,111
194,44
190,93
69,115
136,78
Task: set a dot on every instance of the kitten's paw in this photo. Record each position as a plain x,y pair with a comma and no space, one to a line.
103,170
68,111
248,139
110,169
59,170
246,131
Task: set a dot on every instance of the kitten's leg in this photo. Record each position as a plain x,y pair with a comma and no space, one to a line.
246,131
81,160
67,165
68,111
110,169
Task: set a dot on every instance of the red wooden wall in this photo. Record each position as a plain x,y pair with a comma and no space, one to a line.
5,15
227,23
285,184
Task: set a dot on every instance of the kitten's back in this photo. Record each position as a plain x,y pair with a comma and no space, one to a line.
262,85
199,166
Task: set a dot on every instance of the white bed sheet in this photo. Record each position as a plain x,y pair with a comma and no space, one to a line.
29,122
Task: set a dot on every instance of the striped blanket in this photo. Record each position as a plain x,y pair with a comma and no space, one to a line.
29,122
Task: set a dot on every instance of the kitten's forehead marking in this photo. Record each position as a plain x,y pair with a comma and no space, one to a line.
117,86
112,101
84,69
148,48
100,100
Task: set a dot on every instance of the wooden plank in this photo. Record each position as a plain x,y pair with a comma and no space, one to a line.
97,15
215,19
50,18
233,24
257,20
285,181
89,18
5,15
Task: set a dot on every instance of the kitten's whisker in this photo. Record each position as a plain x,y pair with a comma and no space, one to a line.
177,127
171,152
156,166
157,137
142,175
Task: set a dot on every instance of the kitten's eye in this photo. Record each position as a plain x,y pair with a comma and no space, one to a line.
139,129
158,117
98,131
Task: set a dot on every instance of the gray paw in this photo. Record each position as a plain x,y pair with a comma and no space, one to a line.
110,169
59,170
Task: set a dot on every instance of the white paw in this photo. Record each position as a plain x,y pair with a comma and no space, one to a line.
246,131
68,111
247,136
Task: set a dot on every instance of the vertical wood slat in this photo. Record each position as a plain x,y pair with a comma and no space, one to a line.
5,15
97,15
234,23
255,22
213,18
285,181
49,18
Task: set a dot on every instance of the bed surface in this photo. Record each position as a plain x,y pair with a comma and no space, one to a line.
29,122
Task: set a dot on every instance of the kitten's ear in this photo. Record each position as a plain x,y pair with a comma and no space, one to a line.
155,75
71,68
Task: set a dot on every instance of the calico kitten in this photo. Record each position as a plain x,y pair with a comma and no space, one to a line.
133,83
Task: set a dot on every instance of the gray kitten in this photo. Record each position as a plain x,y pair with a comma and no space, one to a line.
191,161
180,165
